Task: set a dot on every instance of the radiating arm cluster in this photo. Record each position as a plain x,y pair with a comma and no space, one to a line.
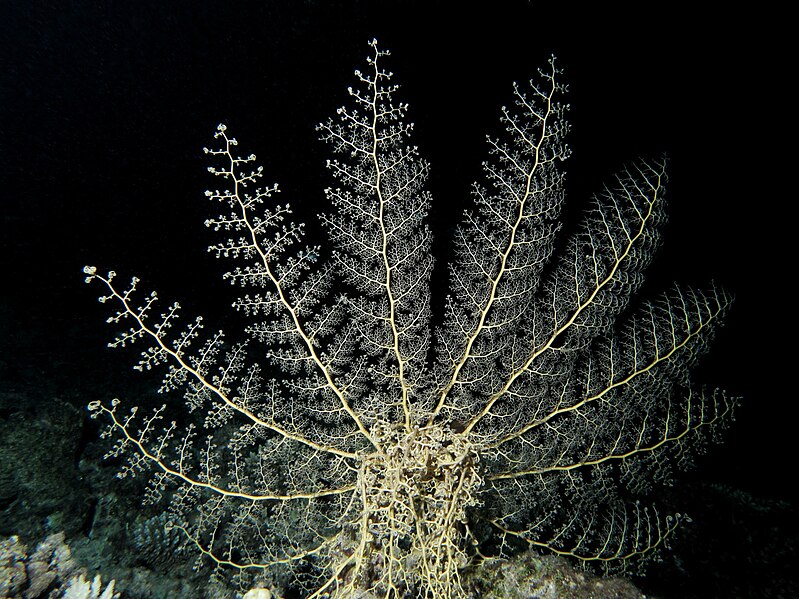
376,451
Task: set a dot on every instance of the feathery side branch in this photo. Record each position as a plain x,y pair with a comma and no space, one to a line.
647,535
667,437
142,329
207,551
382,243
384,235
659,357
263,255
511,243
581,306
198,484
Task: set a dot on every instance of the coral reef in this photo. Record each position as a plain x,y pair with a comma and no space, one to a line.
531,576
49,571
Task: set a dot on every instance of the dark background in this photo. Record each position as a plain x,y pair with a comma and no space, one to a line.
105,108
